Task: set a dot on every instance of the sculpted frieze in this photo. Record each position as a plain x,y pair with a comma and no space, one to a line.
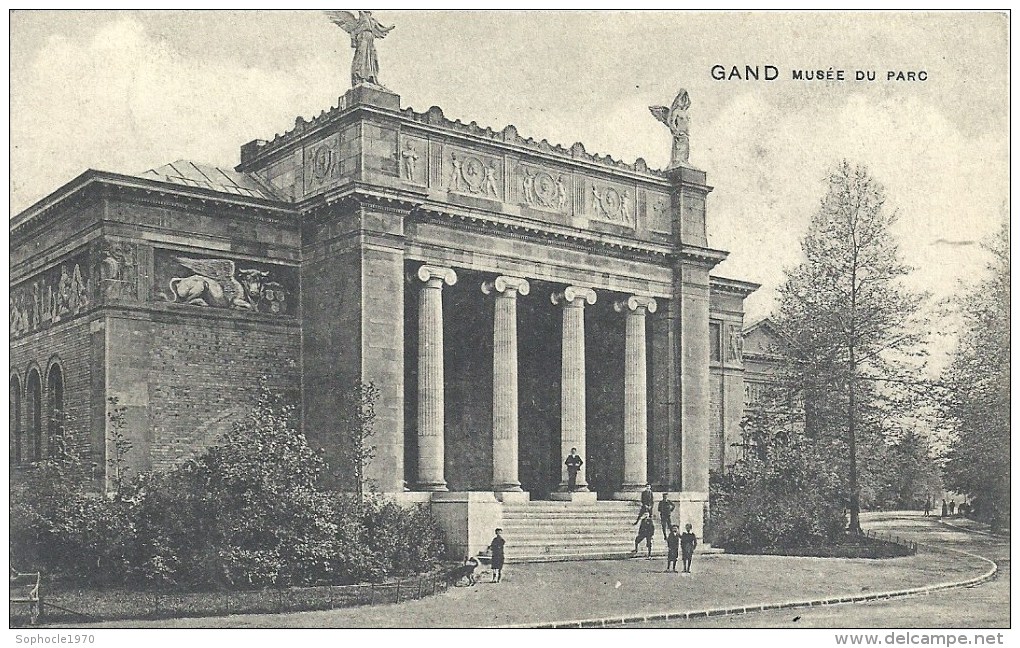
57,294
413,160
542,189
226,284
117,269
610,203
324,163
469,173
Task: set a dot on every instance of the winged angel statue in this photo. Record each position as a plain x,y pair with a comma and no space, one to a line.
363,30
678,122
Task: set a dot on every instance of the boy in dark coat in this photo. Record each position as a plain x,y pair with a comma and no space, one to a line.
647,502
665,514
496,549
645,532
673,543
688,541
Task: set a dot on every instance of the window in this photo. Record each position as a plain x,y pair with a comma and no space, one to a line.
715,341
35,430
15,428
55,412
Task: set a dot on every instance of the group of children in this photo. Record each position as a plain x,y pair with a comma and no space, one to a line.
676,543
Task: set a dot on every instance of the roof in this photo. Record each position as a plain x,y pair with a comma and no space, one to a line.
192,174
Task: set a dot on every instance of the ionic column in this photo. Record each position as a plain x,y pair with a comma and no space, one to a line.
635,389
430,376
504,381
572,402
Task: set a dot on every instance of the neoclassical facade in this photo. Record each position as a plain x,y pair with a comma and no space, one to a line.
509,299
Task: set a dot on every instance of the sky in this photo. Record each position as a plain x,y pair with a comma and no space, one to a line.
128,91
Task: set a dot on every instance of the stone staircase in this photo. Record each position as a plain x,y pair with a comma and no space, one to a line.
546,531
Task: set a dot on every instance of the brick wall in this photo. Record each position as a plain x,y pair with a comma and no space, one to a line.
70,345
202,373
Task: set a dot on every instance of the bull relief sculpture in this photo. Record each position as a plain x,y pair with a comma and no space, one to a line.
363,30
217,283
678,122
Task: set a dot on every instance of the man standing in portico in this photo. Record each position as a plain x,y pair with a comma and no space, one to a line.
573,463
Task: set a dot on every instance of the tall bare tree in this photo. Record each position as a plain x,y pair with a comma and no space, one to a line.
853,324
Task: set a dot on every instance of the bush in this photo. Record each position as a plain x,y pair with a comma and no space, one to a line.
248,512
57,526
783,494
407,540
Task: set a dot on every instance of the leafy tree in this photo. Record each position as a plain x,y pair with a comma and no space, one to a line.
357,427
977,401
852,324
909,474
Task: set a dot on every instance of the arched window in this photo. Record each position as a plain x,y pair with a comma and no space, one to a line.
35,429
15,430
55,411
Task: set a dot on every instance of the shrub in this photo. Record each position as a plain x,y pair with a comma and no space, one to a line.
248,512
407,540
59,527
783,494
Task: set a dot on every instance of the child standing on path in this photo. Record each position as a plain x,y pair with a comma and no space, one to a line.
673,543
496,547
645,532
688,541
665,513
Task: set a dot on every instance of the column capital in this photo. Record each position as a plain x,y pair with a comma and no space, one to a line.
428,274
636,302
507,285
574,296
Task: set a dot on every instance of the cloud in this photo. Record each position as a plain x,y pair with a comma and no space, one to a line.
125,101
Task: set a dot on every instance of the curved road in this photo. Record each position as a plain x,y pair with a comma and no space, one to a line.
985,605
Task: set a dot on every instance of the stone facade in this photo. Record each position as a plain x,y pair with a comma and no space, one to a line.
509,298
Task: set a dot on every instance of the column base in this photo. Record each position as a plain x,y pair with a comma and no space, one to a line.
629,495
513,497
582,497
432,487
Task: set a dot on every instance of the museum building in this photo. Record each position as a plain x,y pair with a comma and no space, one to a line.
509,299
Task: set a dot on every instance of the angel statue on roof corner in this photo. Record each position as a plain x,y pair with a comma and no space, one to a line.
679,123
363,30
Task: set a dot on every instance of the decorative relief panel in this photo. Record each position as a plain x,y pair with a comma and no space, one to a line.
414,160
472,174
542,189
224,283
734,343
116,266
659,212
610,203
328,161
54,295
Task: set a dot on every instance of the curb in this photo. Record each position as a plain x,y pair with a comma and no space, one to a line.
745,609
969,530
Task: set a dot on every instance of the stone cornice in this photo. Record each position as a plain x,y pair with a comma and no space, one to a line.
547,231
732,286
706,257
93,184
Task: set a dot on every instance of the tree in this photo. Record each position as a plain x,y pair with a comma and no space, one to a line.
357,426
852,324
118,446
977,401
